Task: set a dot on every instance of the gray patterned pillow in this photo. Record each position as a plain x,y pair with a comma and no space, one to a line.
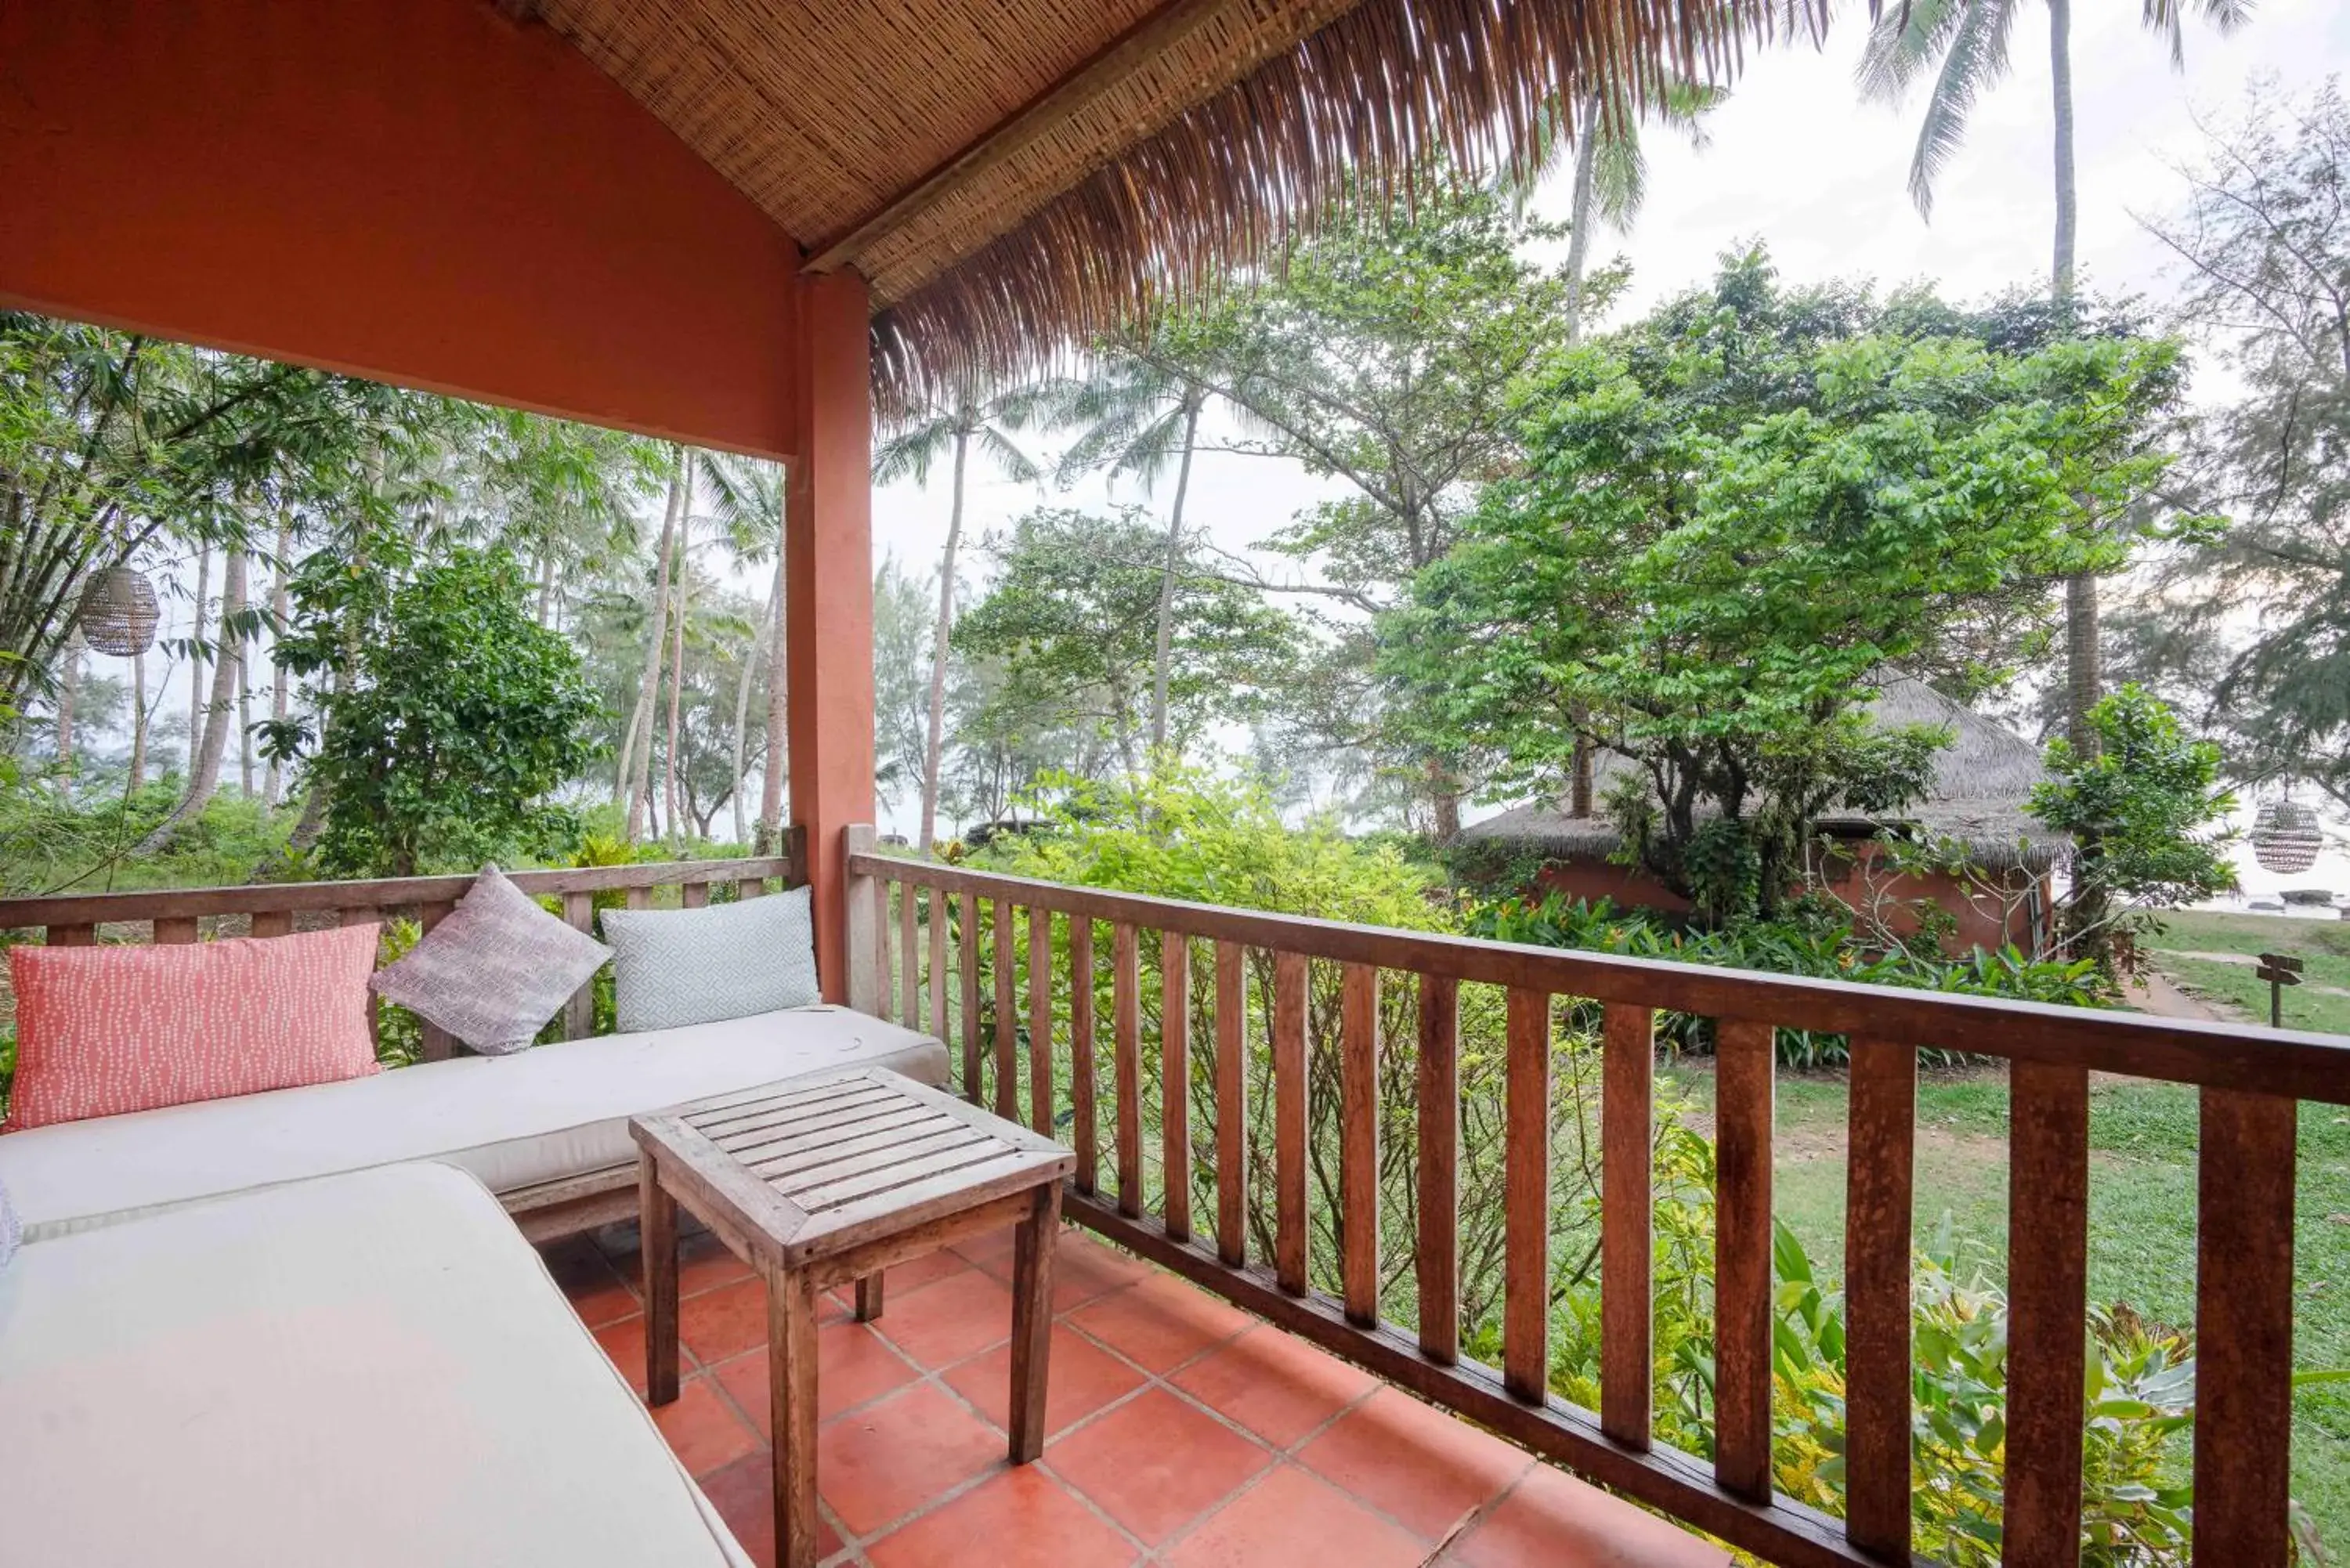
11,1231
675,966
494,970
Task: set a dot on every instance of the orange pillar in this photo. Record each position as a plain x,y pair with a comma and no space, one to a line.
828,597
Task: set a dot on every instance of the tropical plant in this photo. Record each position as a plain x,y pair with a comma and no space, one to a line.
1964,44
987,418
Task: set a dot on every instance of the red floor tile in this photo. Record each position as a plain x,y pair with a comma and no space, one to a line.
624,1342
985,1248
1414,1462
852,1367
1021,1519
1291,1518
594,1290
1155,1464
1550,1519
884,1461
725,1321
743,1493
925,1270
1160,1323
1083,1270
1278,1387
1082,1379
941,1324
702,1430
704,1264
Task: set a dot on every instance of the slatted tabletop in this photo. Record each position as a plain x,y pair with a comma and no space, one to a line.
818,1165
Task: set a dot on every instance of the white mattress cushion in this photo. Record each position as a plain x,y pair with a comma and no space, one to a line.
371,1370
512,1121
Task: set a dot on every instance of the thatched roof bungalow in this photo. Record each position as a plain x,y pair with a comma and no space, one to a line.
1976,805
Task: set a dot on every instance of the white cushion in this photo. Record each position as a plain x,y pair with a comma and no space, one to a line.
512,1121
372,1371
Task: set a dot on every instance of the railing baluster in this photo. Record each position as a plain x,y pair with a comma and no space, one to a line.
1627,1222
885,977
693,896
72,934
1525,1199
2244,1327
1290,1113
580,1012
863,903
438,1044
749,888
970,975
1175,1078
1087,1131
642,898
1040,1019
1878,1172
267,923
1743,1087
939,923
909,959
1232,1104
2047,1312
176,930
1358,1142
346,917
1126,1046
1438,1262
1007,1017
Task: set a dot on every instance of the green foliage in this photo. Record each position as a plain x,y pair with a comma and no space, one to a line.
1072,618
1815,938
2141,812
1733,517
50,846
459,713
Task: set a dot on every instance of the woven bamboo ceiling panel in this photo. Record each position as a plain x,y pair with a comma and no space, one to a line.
1009,174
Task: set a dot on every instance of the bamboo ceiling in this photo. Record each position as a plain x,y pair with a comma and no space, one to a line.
1013,175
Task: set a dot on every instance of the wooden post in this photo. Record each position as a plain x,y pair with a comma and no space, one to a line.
1439,1260
1358,1143
829,600
1291,1121
1525,1199
1175,1078
1626,1223
860,911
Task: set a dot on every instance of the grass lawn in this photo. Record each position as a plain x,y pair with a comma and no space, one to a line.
2323,946
2141,1216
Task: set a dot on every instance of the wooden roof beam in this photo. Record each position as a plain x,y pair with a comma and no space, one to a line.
1162,29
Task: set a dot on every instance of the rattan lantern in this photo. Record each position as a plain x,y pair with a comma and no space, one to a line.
120,612
2285,836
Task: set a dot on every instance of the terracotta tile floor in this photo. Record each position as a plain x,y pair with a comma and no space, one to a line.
1181,1431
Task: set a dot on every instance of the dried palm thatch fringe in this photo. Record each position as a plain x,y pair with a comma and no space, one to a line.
1391,86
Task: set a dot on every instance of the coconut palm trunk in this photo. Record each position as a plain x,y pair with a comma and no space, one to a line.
1163,649
196,679
934,744
669,797
635,751
771,780
69,696
280,610
204,775
2084,653
751,656
138,711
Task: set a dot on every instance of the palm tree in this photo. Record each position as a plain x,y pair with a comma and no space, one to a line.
1964,44
747,500
1611,172
970,417
1137,414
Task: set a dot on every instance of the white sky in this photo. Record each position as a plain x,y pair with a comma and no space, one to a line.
1795,159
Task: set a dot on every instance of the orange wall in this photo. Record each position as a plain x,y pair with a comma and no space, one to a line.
416,191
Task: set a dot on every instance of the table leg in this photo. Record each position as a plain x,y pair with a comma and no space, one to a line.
868,1297
1032,1320
656,1245
791,1392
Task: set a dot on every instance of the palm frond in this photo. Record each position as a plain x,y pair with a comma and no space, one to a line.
1904,44
1977,59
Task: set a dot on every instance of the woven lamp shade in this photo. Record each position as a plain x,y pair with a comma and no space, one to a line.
120,613
2285,836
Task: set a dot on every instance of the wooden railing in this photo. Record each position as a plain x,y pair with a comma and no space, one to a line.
2249,1079
275,909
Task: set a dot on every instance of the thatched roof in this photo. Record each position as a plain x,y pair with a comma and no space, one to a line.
1014,176
1982,781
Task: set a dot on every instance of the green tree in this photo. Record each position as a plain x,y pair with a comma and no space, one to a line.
1382,354
1964,44
2266,241
973,416
1733,517
460,715
1071,615
2140,807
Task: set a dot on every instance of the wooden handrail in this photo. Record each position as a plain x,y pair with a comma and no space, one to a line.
2250,1078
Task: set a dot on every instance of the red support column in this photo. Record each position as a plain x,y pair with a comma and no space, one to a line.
828,597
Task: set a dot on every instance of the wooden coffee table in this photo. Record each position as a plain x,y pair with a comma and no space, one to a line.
836,1177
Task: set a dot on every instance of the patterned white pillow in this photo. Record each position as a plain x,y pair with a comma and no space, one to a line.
675,966
12,1231
494,970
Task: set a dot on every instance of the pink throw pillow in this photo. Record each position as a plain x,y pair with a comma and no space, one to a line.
105,1029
